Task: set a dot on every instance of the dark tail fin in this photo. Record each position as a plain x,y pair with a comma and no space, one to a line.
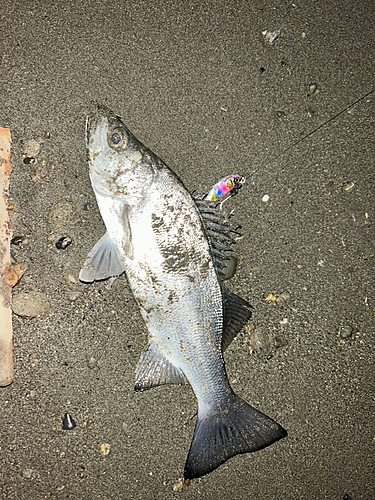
237,428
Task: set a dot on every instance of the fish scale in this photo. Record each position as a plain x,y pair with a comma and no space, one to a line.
165,244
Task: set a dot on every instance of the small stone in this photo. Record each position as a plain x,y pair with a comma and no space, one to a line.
68,422
30,304
283,299
312,88
279,342
346,331
229,268
280,114
177,487
63,242
310,112
104,448
270,298
62,215
73,295
20,269
31,148
26,473
265,198
91,362
70,279
260,340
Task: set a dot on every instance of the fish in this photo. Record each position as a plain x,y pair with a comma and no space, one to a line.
172,248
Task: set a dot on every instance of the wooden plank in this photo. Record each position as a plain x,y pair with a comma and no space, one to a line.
6,272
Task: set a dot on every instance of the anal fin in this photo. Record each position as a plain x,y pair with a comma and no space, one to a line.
154,369
102,262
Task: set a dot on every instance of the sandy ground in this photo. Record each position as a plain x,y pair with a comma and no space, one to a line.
201,87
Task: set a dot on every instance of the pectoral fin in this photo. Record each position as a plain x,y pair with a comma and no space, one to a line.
102,262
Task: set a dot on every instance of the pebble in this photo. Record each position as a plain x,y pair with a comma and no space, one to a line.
279,342
265,198
30,304
91,362
310,112
104,448
26,473
68,422
31,148
283,299
229,268
70,279
62,215
20,269
346,331
63,242
177,487
260,340
313,88
73,295
280,114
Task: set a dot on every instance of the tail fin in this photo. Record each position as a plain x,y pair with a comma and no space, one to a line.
237,428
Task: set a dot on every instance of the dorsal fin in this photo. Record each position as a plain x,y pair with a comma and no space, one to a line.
219,233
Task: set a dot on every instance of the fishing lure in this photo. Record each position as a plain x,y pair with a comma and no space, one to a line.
228,185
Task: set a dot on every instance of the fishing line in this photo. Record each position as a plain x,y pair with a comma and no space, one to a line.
295,143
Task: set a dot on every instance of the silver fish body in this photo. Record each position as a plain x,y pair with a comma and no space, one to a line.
159,236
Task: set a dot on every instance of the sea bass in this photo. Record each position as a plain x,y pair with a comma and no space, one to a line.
171,248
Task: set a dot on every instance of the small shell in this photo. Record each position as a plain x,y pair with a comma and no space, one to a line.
348,188
68,422
270,35
17,240
63,242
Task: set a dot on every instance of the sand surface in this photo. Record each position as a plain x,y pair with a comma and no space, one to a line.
198,84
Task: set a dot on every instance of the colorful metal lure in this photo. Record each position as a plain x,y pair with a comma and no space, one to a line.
228,185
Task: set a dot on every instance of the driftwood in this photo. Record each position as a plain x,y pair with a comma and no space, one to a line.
8,276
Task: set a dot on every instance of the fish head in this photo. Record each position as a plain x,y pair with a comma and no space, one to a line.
120,166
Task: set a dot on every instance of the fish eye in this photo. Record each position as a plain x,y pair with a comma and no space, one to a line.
117,139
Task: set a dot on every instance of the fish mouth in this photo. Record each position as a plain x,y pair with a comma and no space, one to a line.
103,116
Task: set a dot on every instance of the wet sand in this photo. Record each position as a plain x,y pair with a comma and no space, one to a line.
198,84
